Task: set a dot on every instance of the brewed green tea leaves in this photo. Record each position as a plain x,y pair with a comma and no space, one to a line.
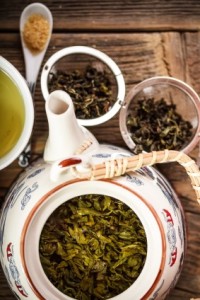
93,247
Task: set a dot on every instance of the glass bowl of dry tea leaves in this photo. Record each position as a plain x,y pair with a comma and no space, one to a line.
92,79
161,113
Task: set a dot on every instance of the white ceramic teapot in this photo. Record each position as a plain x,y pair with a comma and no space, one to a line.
75,164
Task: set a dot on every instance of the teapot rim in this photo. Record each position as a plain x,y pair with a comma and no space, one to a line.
38,216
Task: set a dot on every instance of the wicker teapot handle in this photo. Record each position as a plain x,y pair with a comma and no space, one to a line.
119,166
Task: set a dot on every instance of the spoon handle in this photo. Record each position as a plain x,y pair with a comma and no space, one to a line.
25,156
32,62
31,86
32,65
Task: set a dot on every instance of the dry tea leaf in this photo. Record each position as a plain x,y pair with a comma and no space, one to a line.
90,91
156,125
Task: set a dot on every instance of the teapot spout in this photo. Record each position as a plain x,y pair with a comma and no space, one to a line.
65,134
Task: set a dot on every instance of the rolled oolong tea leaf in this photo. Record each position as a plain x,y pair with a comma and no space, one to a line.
156,125
93,247
90,90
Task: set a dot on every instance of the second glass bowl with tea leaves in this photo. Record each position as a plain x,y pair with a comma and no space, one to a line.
161,113
92,79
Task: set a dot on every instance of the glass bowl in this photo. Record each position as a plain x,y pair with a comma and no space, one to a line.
173,124
90,77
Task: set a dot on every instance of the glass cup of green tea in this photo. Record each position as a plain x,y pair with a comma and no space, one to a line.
16,113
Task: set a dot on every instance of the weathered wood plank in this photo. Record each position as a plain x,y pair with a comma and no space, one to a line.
192,54
5,292
115,15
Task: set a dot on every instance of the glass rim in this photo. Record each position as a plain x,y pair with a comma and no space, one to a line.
160,80
17,79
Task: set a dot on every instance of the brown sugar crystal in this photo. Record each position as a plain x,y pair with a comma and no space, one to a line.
36,32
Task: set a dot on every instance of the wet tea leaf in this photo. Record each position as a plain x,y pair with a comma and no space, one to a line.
93,247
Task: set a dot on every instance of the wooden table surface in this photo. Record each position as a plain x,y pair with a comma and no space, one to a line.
145,38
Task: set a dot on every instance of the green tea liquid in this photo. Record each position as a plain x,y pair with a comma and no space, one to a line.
12,114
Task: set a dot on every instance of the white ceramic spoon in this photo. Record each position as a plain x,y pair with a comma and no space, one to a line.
32,61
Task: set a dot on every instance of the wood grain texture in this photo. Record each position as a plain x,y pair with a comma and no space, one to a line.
145,38
112,15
